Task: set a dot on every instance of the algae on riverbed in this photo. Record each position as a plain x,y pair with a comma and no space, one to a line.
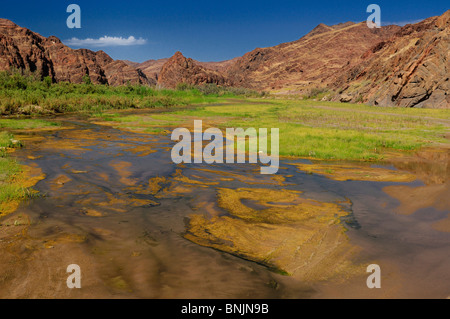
356,172
290,234
15,183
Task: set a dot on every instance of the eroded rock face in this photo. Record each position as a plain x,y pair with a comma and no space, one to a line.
411,69
152,68
312,61
23,49
179,69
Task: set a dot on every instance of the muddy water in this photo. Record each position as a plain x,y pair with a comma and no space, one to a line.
103,210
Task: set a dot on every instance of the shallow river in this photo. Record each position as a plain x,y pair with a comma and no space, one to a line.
115,204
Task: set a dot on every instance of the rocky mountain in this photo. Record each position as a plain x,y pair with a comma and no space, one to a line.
411,69
179,69
390,66
23,49
221,66
152,68
298,65
311,61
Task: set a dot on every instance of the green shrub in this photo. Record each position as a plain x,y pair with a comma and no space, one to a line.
21,90
184,87
315,93
47,82
87,79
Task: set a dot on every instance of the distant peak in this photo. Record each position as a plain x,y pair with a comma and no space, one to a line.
343,25
54,39
178,54
444,19
6,22
321,28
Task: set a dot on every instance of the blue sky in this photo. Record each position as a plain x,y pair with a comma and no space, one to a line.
204,30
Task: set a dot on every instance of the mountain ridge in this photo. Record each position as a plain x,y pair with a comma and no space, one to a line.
411,69
390,66
23,49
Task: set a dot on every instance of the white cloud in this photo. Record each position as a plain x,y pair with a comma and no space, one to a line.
106,41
